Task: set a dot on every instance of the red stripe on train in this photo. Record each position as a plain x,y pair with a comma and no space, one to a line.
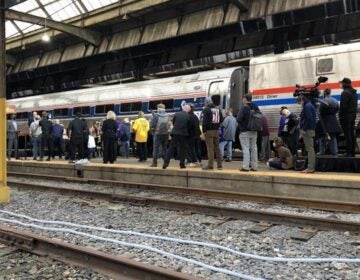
282,90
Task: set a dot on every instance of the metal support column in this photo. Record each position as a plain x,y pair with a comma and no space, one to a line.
4,190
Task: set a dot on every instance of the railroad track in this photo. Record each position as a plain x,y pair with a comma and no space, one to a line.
211,194
270,217
113,266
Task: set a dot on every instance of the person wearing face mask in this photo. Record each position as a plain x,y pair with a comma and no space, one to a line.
290,130
283,159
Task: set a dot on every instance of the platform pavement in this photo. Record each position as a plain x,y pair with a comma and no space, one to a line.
344,187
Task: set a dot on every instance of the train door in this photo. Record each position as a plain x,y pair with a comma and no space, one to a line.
217,92
239,85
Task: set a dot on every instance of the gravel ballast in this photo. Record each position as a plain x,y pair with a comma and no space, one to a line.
231,233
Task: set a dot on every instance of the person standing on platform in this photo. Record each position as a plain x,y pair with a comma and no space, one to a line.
125,134
109,129
46,136
212,118
77,129
329,124
247,137
307,131
160,130
290,131
265,141
58,131
229,126
284,157
281,121
141,128
347,115
179,137
194,141
35,134
12,133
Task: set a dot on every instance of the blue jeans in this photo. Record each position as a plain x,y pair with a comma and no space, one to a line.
36,144
228,144
332,144
125,148
249,148
160,145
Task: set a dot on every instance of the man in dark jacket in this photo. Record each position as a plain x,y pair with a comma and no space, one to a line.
194,138
290,130
179,135
307,131
77,132
46,136
328,123
212,118
347,115
58,131
160,129
247,138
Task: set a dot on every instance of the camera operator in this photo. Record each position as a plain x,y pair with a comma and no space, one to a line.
307,129
347,115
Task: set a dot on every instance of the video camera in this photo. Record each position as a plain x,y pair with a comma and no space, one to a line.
310,92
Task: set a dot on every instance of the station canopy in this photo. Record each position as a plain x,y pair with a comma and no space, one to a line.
58,10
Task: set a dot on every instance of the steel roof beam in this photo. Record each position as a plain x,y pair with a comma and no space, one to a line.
243,5
90,36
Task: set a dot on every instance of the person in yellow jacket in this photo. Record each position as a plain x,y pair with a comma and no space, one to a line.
141,128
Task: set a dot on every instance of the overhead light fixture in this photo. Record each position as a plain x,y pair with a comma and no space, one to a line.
45,37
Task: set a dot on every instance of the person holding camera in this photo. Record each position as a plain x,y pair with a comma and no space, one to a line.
307,130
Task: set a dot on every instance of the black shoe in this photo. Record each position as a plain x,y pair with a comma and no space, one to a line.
244,170
182,166
251,169
208,168
228,160
153,165
41,159
165,165
219,168
34,158
48,159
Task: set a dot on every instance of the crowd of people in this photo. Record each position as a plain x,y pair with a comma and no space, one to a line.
180,136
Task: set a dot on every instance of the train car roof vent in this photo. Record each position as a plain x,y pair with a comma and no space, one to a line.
177,79
195,77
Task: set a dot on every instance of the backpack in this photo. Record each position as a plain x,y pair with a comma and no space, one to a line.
162,126
255,120
123,135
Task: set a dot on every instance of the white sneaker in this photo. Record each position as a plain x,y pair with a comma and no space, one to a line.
192,164
85,161
80,161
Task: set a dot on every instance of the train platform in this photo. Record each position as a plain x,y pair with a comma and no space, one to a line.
343,187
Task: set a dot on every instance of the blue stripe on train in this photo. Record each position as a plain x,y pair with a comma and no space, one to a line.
286,101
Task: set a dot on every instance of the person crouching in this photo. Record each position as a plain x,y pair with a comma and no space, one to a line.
284,158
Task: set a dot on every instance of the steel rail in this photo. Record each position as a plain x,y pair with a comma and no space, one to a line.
117,267
211,210
327,205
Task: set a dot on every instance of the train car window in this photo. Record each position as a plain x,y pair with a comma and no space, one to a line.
82,110
325,66
103,109
22,115
169,104
216,99
131,107
63,112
